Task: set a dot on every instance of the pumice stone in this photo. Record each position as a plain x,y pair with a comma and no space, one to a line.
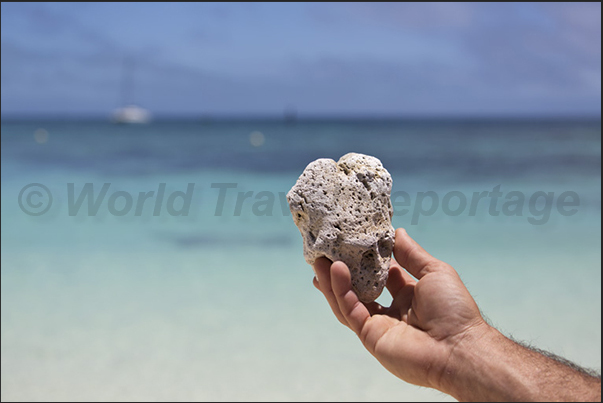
343,211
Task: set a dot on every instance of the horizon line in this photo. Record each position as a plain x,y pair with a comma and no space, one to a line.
308,117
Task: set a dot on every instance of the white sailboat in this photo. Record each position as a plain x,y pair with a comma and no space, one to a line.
129,113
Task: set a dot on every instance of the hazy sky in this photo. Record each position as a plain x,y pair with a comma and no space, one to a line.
321,58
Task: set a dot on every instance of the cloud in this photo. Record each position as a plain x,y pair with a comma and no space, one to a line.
541,59
416,15
417,58
80,75
520,51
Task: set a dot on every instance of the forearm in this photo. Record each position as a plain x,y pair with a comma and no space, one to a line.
490,367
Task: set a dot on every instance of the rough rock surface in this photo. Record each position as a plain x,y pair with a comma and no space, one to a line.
343,211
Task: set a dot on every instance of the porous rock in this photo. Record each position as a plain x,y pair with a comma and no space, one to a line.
343,211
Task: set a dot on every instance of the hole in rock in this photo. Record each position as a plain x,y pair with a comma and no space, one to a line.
385,247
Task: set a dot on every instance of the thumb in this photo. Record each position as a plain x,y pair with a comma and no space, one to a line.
412,256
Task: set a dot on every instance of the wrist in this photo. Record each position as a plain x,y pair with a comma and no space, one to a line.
476,368
484,365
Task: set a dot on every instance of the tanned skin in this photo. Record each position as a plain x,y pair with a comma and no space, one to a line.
434,335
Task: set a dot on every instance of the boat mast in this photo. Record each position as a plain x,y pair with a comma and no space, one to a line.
126,82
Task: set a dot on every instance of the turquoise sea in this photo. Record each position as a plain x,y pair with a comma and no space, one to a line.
218,303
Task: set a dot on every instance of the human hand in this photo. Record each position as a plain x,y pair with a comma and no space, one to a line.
415,337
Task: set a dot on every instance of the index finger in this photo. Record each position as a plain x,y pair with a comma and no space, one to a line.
355,312
322,268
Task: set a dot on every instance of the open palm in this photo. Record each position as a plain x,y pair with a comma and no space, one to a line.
414,337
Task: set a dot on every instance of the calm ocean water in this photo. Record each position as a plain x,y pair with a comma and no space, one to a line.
218,304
